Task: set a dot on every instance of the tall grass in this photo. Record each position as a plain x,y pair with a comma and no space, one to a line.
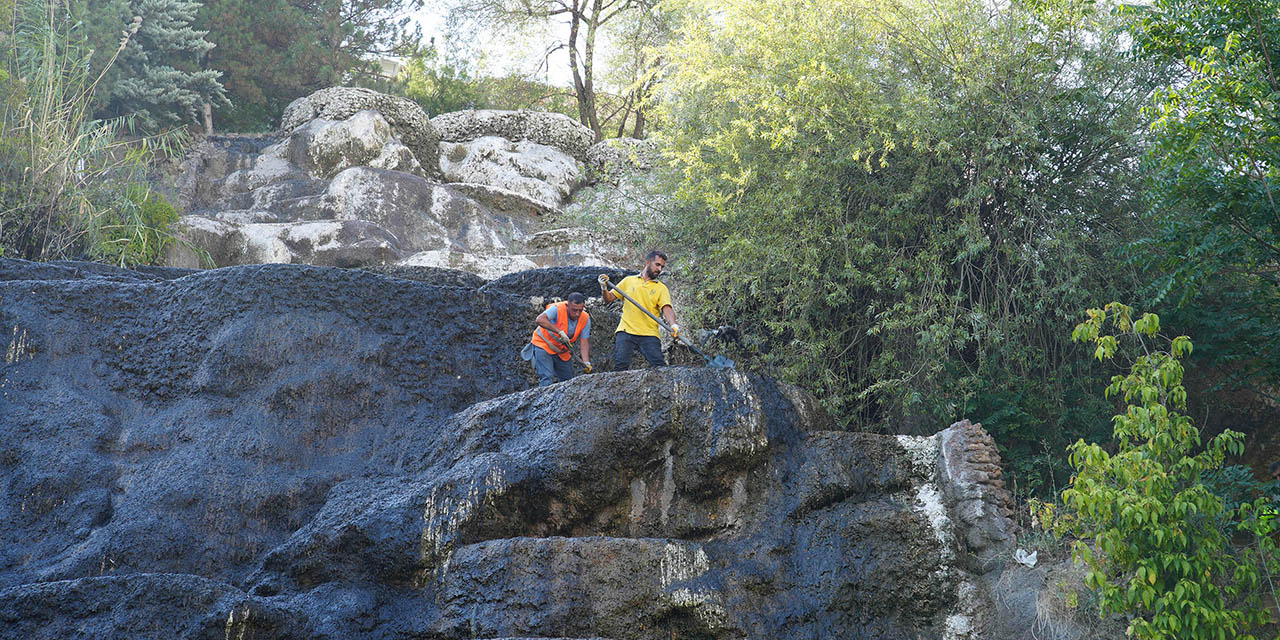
71,185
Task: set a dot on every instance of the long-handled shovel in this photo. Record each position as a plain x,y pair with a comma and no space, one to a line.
718,362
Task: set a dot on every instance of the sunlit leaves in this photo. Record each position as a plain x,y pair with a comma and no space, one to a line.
1156,541
917,190
1212,227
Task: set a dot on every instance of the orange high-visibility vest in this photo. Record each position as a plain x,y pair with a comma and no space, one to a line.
562,324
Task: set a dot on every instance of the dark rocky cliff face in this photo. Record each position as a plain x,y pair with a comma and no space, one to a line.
299,452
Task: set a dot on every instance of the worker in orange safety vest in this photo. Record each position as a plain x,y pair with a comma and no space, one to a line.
559,327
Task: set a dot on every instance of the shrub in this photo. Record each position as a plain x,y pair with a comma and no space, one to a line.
1156,540
136,232
906,209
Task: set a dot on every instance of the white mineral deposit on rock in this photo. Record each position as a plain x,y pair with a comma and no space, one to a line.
682,562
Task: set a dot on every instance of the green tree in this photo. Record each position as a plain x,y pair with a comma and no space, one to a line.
516,91
441,82
159,77
906,209
272,52
357,33
1156,540
1213,244
636,65
438,84
584,21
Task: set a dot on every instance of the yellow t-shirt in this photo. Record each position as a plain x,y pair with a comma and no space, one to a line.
652,295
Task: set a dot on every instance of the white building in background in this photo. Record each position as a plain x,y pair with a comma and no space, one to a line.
390,68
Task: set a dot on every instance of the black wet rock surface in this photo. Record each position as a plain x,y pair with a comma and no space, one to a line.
556,282
284,451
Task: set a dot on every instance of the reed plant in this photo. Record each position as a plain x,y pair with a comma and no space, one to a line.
71,185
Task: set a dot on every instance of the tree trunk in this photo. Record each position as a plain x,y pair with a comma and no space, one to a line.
626,112
579,89
638,132
588,96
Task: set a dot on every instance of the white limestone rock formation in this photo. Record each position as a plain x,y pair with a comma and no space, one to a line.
326,147
406,118
365,216
296,166
358,178
539,172
549,129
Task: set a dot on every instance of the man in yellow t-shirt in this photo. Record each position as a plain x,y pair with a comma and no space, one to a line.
637,330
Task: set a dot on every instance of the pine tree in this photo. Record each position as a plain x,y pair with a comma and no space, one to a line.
159,77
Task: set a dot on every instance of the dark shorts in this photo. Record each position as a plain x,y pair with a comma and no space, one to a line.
625,343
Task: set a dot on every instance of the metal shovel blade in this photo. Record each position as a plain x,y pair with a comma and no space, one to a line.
720,362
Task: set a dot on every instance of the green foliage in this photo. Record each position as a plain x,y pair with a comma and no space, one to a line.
441,83
1237,484
636,65
65,177
1212,241
908,208
156,74
271,52
441,80
1036,422
437,84
136,232
581,27
1156,539
362,30
519,92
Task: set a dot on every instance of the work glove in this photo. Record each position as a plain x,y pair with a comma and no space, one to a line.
564,337
675,332
586,367
603,280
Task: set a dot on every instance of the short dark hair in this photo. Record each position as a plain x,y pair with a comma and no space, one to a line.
654,254
577,298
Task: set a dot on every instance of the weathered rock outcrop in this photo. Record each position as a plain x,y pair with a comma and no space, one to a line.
286,451
540,173
548,129
352,180
326,147
406,118
363,216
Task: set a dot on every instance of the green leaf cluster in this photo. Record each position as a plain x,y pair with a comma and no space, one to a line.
136,231
438,84
1157,541
907,208
1211,241
271,52
438,81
